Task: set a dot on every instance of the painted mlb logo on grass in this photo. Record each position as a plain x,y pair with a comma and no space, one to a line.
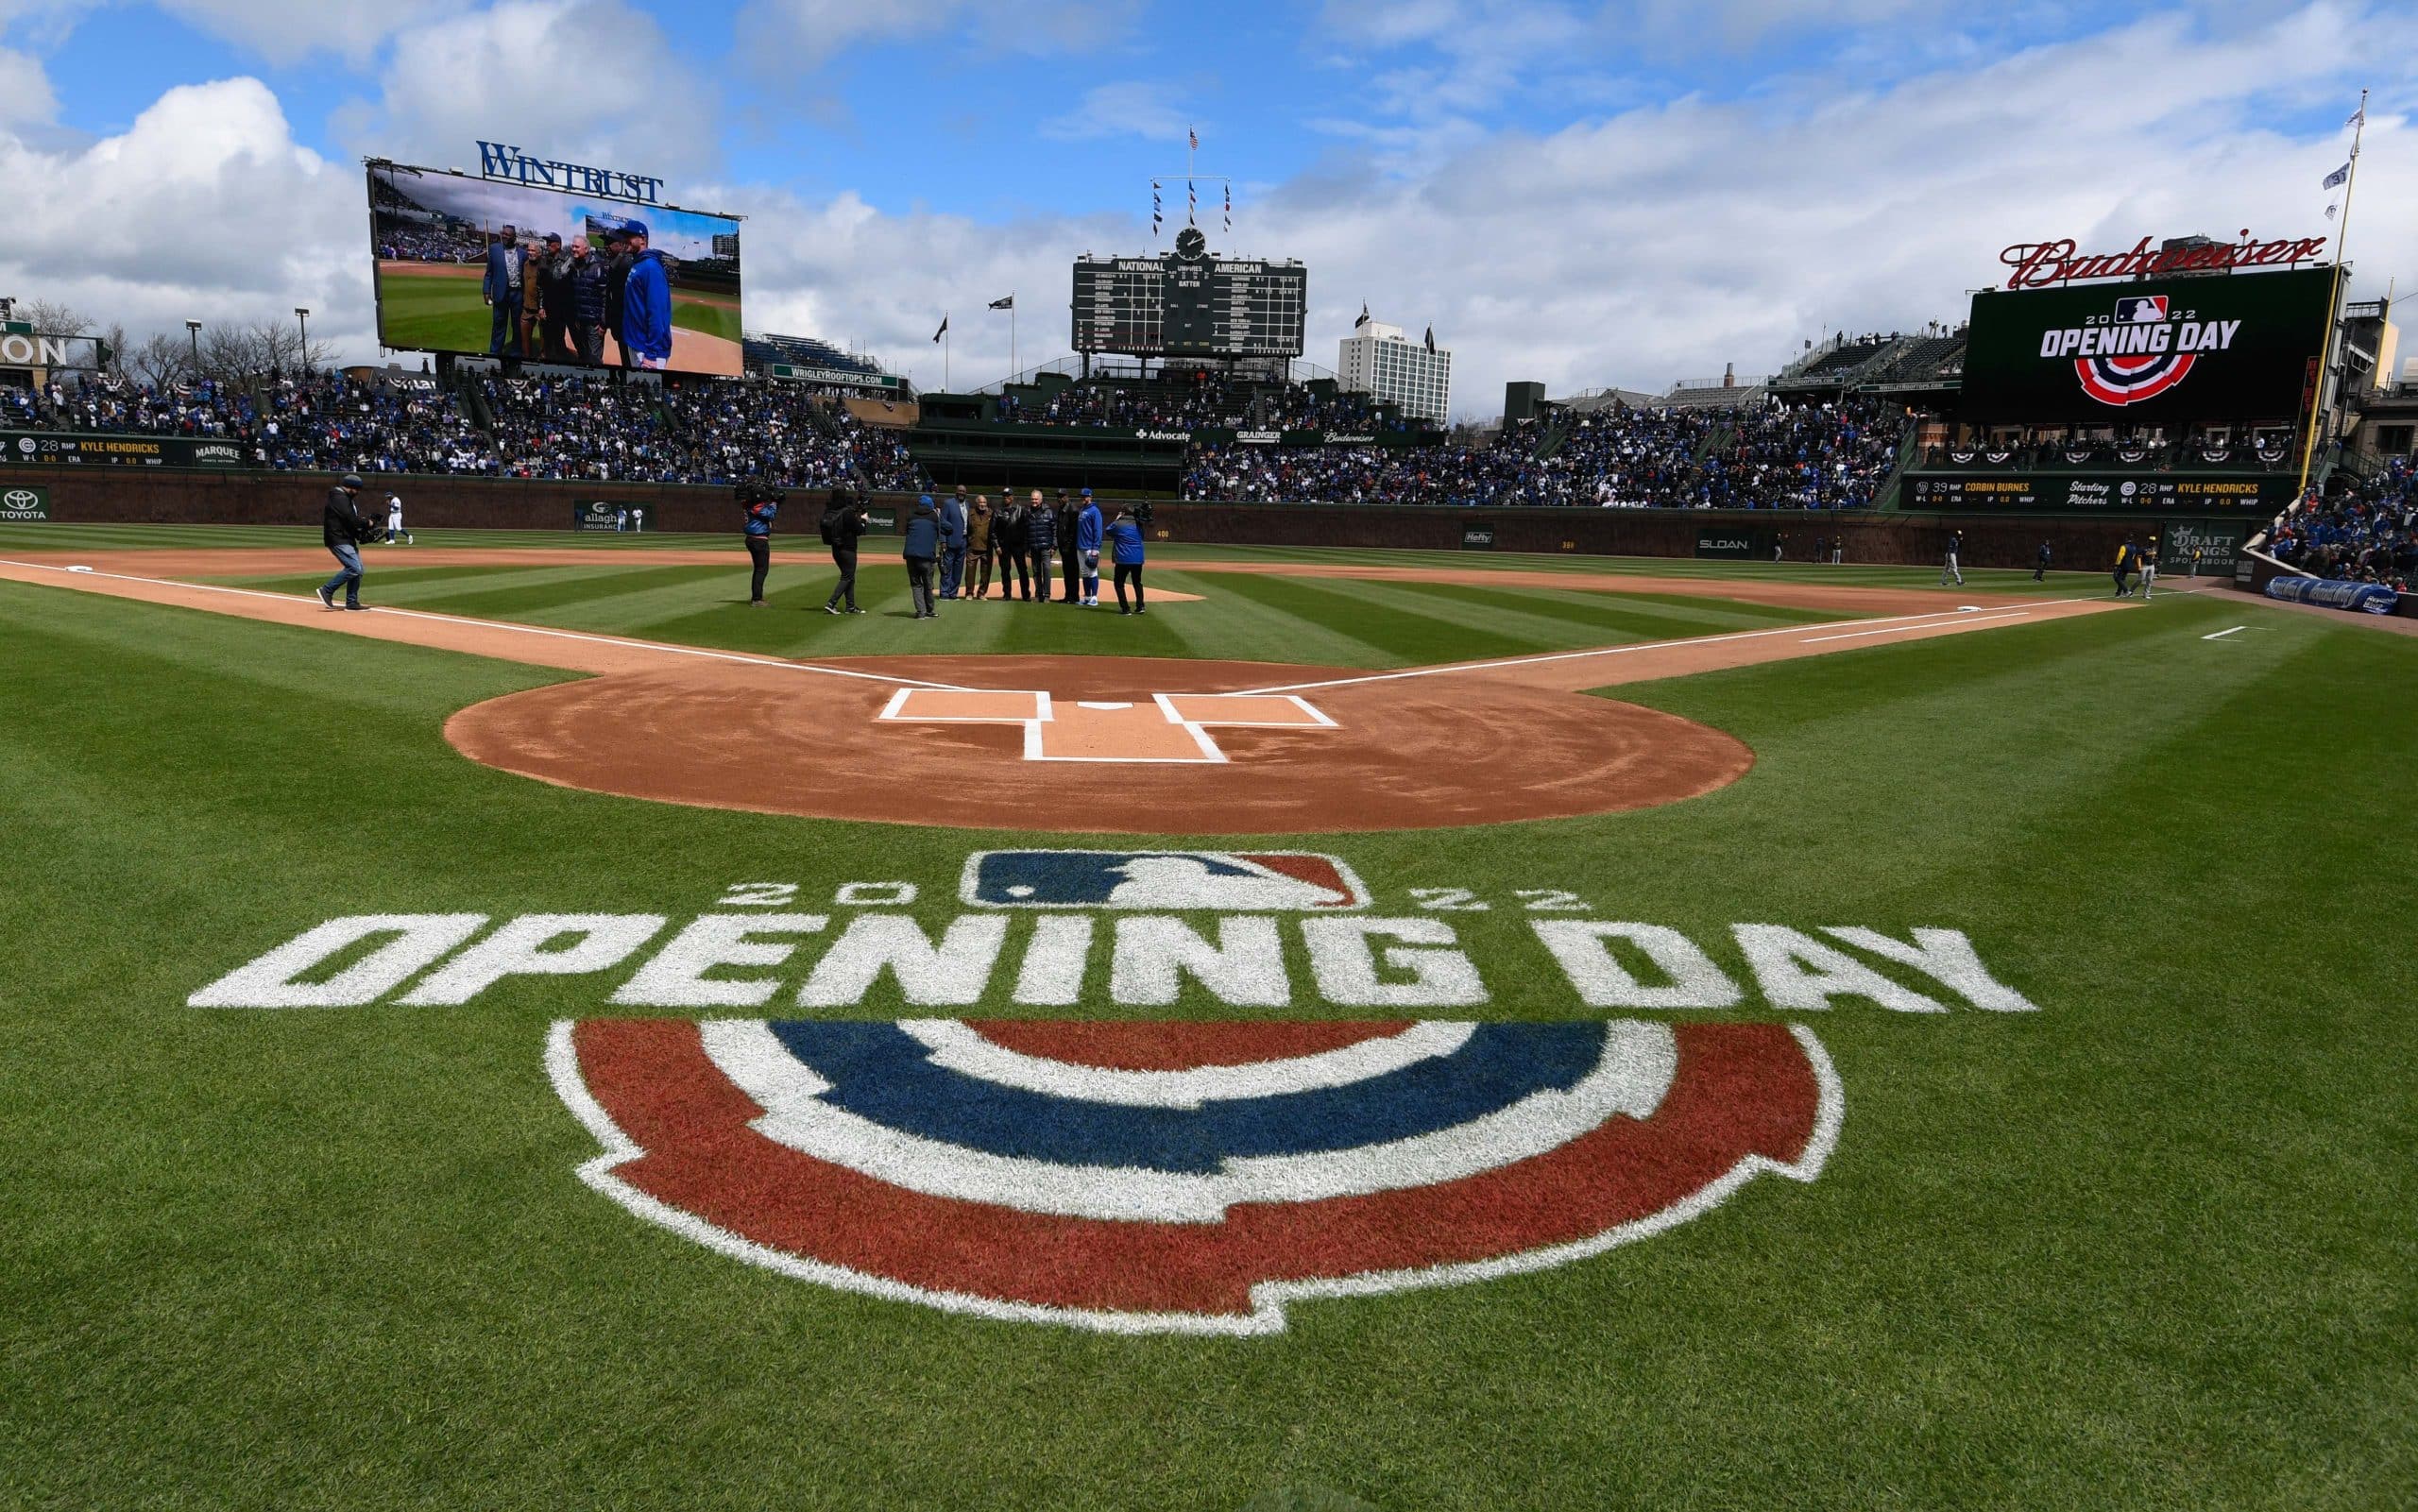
1182,1176
1228,881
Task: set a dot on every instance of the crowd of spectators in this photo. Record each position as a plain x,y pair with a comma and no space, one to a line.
698,430
1825,456
1198,401
2367,534
301,421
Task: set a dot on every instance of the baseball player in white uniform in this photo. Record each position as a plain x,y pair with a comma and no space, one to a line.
395,531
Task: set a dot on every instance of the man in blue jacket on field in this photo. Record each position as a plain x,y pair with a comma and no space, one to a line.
646,304
1088,531
952,517
501,291
1125,543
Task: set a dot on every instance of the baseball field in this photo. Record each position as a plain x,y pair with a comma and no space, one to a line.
1387,1029
437,307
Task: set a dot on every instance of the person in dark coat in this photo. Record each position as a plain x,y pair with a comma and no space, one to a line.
923,551
1041,532
342,530
588,279
617,282
501,290
1071,555
846,525
1011,540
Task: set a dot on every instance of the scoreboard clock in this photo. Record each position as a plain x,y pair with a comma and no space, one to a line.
1190,303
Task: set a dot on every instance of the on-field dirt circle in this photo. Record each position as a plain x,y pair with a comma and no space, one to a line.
1406,754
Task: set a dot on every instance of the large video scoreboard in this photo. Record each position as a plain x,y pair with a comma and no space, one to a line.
1190,304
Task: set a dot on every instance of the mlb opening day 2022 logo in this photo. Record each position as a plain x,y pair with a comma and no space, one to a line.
2140,352
1338,1136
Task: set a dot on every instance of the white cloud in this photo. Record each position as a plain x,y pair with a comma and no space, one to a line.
1132,108
286,31
586,81
25,90
204,208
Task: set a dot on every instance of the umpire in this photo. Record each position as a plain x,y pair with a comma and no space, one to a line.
343,530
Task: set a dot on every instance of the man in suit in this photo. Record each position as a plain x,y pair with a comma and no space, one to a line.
501,291
953,521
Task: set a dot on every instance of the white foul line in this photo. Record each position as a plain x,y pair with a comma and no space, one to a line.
1913,630
1952,614
2222,633
507,624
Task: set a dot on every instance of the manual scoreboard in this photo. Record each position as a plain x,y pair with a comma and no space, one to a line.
1190,304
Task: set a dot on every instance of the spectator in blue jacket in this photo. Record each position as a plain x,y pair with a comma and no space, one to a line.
952,517
922,545
1125,540
501,290
1087,539
646,304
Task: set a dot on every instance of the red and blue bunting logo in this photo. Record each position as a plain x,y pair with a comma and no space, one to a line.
2135,377
1181,1177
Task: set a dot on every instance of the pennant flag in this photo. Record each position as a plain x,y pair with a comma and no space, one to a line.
1192,205
1154,208
2331,210
1007,303
2360,116
944,330
1230,207
2337,176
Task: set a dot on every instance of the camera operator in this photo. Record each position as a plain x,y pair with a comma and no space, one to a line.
763,504
342,528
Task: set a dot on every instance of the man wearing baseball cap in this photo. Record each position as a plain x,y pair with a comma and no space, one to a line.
646,304
343,530
1089,530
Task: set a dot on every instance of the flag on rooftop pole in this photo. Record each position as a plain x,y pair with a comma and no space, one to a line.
2331,210
2360,116
944,330
1363,316
2336,176
1229,209
1194,137
1007,303
1431,340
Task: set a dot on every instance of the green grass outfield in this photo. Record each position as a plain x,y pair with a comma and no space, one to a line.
445,312
2148,1247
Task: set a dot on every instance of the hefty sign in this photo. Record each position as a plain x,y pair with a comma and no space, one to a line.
1182,1176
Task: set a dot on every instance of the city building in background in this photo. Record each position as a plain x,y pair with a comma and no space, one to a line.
1379,360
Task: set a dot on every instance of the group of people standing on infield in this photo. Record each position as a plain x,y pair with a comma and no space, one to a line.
958,549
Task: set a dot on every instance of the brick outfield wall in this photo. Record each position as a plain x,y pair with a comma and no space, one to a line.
127,495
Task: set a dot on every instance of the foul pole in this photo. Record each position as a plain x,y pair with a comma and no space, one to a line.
2333,307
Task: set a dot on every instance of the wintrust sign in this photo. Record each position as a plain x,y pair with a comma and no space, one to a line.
500,160
2038,264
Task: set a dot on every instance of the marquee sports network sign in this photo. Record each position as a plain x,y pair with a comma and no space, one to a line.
2175,349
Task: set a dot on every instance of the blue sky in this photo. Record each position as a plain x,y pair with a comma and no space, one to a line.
1590,195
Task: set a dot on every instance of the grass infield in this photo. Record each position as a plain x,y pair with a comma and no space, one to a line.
2147,1246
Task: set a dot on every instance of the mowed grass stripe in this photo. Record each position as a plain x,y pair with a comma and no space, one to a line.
1301,620
1599,617
1423,626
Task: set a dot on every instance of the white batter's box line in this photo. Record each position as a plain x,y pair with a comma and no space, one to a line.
1252,711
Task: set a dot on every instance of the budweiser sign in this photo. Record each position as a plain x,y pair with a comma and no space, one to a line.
2038,264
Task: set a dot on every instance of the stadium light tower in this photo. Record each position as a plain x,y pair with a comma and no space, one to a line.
192,329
